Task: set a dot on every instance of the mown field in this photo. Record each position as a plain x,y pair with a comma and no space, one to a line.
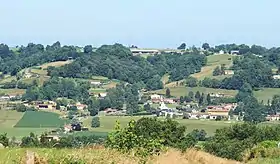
108,123
40,119
8,119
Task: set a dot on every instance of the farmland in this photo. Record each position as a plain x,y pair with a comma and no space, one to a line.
108,123
34,119
212,62
12,91
8,119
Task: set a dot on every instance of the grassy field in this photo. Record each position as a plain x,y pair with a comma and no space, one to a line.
12,91
165,79
41,72
212,62
8,119
41,79
183,91
7,79
266,94
55,64
101,155
108,123
35,119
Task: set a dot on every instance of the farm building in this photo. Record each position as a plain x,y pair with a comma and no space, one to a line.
276,77
229,72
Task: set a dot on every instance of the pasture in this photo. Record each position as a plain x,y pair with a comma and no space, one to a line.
40,119
212,62
8,119
183,91
55,64
12,91
108,123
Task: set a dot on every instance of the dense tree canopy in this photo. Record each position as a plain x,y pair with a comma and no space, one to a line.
32,55
117,62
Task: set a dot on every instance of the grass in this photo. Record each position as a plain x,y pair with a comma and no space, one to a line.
99,78
8,119
165,79
12,91
212,62
41,72
55,64
112,84
7,79
101,155
97,90
266,94
39,119
183,91
41,79
108,123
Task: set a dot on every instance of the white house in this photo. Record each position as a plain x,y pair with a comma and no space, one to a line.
95,83
156,97
276,77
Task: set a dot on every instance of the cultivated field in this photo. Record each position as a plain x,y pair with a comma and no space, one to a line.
212,62
35,119
8,119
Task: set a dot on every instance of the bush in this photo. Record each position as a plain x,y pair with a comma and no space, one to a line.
234,141
95,123
4,140
149,135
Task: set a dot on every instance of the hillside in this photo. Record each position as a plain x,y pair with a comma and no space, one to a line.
212,62
100,155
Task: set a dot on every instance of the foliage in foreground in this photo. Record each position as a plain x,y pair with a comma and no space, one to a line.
149,136
232,142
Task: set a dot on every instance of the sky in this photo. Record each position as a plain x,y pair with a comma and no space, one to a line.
144,23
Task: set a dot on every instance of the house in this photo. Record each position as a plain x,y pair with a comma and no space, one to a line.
221,52
156,97
217,95
273,118
81,106
229,72
102,95
51,137
5,98
45,106
98,83
276,77
234,52
169,101
67,128
110,110
137,51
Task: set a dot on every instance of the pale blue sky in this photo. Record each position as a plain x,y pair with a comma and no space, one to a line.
146,23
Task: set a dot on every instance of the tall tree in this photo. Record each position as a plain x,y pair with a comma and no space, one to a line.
206,46
245,92
182,46
217,71
208,98
197,96
167,93
191,94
